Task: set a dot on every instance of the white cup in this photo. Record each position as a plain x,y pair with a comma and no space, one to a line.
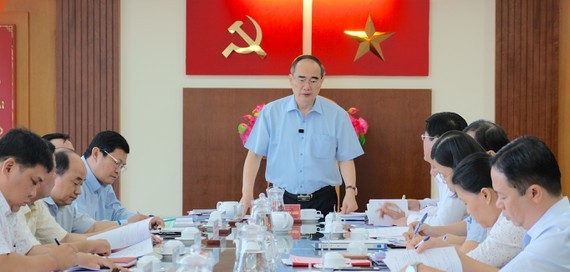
358,234
169,246
330,217
310,214
281,221
215,215
189,233
334,260
308,229
357,248
232,209
148,264
334,227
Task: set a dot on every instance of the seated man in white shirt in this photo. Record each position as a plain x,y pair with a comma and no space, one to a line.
70,174
526,178
45,228
448,209
25,162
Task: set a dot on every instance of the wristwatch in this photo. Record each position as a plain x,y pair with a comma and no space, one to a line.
353,188
413,267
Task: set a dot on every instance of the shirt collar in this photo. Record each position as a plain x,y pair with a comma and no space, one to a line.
317,107
92,182
4,206
50,203
553,212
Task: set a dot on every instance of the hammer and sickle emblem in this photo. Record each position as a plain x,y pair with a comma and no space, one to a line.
253,45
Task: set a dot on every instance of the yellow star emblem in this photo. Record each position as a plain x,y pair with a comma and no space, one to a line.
369,40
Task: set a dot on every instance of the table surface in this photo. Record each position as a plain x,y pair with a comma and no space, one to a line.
300,246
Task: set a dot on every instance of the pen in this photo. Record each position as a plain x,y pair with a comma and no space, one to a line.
444,238
56,241
422,241
418,226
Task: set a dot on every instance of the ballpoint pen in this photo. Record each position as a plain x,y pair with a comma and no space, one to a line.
419,225
422,241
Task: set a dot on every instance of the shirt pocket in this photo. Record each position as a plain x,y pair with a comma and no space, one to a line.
323,146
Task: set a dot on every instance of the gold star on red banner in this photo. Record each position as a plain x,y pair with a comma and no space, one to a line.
369,40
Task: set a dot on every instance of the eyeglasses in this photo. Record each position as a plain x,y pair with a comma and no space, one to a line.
312,81
119,164
424,137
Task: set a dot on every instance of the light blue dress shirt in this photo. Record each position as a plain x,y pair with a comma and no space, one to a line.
549,246
303,151
68,217
475,232
99,201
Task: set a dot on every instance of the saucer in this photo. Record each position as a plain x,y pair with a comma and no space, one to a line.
282,231
310,220
336,232
320,266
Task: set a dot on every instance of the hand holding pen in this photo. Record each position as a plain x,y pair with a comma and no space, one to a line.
419,225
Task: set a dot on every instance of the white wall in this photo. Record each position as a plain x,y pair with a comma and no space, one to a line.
462,46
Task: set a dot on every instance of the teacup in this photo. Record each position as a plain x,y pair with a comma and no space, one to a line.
170,246
334,260
148,264
308,229
332,227
336,217
358,234
357,248
310,214
232,209
189,233
215,216
281,221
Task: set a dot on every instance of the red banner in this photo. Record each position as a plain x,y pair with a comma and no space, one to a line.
7,77
246,37
405,52
249,37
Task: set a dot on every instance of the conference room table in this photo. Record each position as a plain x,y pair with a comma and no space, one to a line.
291,243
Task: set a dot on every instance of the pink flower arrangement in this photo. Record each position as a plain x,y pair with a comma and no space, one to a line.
360,125
245,128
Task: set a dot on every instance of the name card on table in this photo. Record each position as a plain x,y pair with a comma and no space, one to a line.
294,210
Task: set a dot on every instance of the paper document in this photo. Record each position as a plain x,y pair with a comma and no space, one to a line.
387,232
128,236
353,216
373,211
444,258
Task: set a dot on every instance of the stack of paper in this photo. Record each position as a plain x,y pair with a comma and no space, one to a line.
444,258
373,211
132,240
353,216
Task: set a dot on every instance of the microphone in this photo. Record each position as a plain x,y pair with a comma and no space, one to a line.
301,130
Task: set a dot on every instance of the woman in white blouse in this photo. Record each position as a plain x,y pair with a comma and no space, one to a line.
472,183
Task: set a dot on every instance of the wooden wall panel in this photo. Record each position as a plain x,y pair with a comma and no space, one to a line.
88,73
214,156
36,96
526,79
564,105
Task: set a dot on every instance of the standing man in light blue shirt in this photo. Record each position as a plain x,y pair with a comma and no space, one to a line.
307,139
105,160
